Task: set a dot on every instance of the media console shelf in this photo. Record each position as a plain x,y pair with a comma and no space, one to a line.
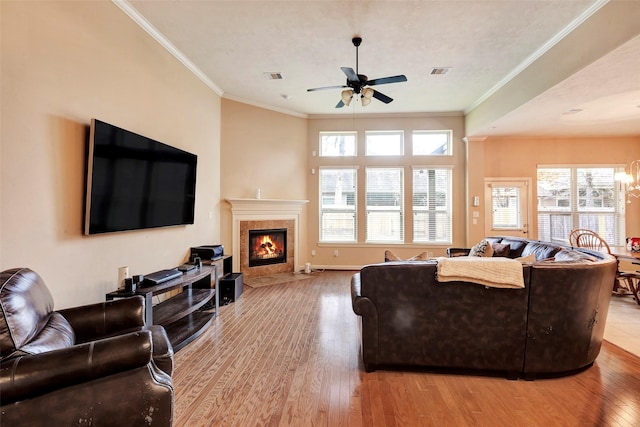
180,314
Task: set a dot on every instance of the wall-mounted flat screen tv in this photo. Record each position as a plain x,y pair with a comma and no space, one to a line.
134,182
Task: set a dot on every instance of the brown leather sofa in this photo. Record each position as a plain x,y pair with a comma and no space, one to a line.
552,326
97,365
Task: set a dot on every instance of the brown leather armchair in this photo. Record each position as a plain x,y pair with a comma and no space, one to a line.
97,365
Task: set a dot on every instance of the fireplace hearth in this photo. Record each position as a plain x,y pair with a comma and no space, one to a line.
267,247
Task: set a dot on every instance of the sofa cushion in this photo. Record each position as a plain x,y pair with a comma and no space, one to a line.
541,250
482,249
517,246
25,308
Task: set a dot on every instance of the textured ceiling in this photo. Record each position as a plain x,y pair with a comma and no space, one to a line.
486,44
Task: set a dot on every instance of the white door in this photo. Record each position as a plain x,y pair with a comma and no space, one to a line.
507,207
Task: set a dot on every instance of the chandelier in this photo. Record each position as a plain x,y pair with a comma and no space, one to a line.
629,180
366,95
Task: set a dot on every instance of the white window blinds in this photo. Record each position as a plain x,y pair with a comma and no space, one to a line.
338,204
579,197
431,205
384,205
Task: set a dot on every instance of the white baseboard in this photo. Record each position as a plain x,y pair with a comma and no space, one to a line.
315,267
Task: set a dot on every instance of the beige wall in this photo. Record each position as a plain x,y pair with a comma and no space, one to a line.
64,63
519,157
355,255
262,149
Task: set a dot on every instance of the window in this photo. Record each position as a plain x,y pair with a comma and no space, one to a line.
505,211
362,188
579,197
338,204
431,205
431,143
384,143
337,144
384,205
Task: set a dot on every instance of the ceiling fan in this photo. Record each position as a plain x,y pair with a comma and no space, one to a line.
358,84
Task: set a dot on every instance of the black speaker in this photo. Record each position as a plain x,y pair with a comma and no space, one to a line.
230,288
130,285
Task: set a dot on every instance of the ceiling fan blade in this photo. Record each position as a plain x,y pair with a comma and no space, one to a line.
326,88
381,97
351,75
340,104
385,80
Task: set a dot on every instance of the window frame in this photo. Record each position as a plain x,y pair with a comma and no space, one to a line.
405,222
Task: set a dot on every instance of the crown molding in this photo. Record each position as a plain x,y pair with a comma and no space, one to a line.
164,42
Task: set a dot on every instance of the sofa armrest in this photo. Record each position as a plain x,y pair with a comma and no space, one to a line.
364,307
103,319
453,252
30,376
162,348
356,290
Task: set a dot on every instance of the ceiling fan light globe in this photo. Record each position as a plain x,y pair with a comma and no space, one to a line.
367,93
366,101
347,96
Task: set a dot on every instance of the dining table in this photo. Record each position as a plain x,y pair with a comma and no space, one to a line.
624,254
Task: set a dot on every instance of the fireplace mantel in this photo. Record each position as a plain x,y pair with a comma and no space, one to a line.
264,210
265,205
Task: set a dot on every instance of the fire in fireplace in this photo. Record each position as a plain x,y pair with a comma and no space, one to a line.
267,247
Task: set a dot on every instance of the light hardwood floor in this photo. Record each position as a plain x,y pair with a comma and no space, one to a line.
623,323
288,355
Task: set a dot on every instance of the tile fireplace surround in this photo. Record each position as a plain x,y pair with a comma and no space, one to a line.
251,214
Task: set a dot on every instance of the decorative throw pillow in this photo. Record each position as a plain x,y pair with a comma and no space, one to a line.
531,258
390,256
500,249
422,256
482,249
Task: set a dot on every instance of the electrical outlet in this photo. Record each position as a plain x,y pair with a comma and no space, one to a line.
335,253
313,252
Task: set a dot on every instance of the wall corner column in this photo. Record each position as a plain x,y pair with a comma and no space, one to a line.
474,179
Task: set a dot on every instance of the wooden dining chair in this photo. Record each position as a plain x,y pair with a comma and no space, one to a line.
625,282
591,240
632,280
573,236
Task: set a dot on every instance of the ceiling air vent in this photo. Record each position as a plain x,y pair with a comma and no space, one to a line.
439,70
273,76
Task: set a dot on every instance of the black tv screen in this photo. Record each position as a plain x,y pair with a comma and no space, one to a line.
134,182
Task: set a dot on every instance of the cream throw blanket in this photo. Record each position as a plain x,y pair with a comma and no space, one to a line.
489,271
